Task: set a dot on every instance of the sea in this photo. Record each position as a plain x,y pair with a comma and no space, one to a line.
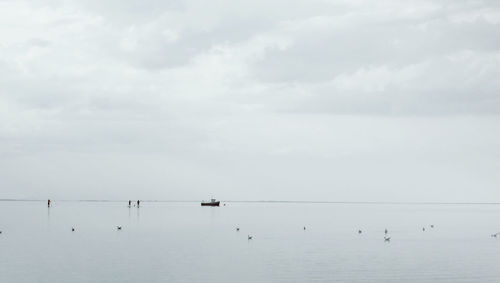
291,242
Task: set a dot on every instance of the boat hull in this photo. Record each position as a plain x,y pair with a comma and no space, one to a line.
217,203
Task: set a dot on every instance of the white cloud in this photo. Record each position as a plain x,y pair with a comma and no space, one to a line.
252,97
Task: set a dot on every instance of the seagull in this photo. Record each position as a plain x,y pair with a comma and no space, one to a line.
72,229
387,239
250,237
119,227
237,228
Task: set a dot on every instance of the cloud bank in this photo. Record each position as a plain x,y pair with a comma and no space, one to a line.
310,100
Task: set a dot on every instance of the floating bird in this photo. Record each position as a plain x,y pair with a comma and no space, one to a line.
432,226
359,231
119,227
423,229
387,239
237,228
386,231
304,228
72,229
250,237
493,235
0,232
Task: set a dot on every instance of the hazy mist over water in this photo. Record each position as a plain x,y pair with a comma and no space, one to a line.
184,242
250,100
311,120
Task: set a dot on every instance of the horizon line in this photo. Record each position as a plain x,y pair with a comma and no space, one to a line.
267,201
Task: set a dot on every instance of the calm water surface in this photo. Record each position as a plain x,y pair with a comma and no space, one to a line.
183,242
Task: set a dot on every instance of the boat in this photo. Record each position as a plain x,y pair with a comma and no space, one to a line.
212,202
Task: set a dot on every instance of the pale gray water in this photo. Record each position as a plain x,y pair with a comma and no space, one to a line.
183,242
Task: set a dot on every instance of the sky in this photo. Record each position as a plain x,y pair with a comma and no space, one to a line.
318,100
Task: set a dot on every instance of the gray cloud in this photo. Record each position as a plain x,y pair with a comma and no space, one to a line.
351,100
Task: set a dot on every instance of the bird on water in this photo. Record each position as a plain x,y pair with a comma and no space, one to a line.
118,227
72,229
250,237
387,239
237,228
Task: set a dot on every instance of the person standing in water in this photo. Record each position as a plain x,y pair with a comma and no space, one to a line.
48,203
138,202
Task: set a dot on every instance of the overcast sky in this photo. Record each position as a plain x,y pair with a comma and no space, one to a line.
256,100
